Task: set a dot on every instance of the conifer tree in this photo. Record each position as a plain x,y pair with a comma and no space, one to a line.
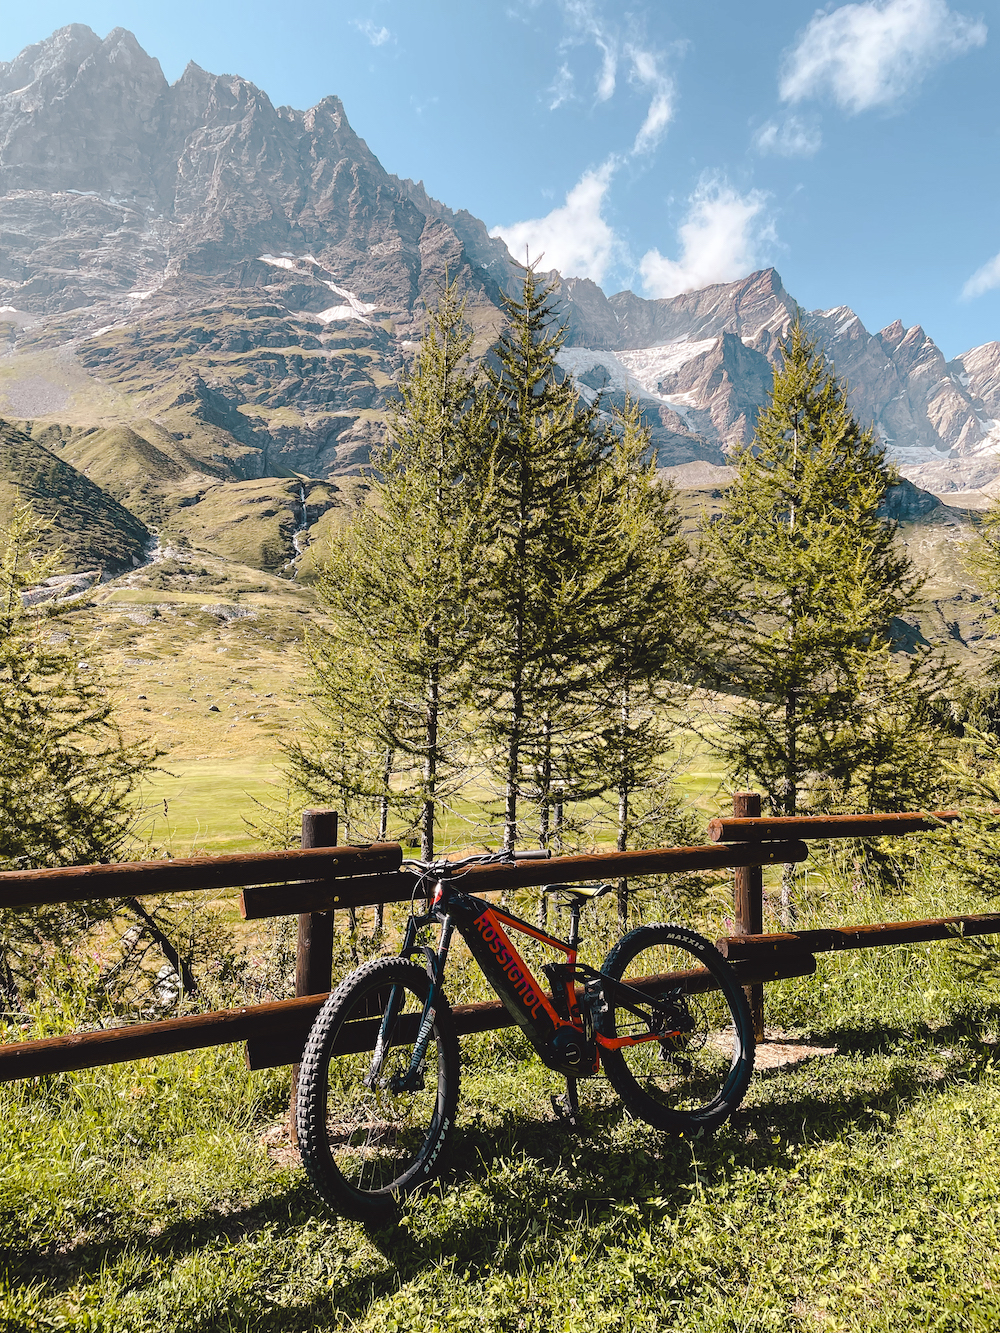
545,475
67,778
400,588
589,596
648,637
808,578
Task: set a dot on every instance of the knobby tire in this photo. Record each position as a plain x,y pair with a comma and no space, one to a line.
363,1144
692,1079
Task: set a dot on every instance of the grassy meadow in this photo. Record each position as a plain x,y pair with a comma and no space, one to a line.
855,1188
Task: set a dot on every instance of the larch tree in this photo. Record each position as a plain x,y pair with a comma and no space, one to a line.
544,479
647,637
808,579
68,779
399,587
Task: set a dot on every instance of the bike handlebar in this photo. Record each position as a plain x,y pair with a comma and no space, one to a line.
445,869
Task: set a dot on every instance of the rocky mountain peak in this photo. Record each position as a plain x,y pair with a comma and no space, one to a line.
57,59
247,278
80,114
892,335
252,276
757,309
979,371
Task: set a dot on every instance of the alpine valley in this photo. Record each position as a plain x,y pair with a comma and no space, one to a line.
206,299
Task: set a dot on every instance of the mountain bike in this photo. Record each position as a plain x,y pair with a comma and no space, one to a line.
665,1017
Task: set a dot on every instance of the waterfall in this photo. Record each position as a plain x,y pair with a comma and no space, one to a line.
300,537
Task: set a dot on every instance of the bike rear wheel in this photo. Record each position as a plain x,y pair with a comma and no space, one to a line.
695,1075
364,1139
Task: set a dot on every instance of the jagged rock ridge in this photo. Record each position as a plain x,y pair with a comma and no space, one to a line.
229,264
706,356
200,289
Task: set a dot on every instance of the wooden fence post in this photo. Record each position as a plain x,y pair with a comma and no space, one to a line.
314,947
748,903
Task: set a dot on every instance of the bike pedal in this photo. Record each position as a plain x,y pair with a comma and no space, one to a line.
564,1112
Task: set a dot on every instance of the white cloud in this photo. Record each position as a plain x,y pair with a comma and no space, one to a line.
562,87
376,35
609,71
719,239
574,238
646,70
792,138
871,54
984,279
583,19
585,26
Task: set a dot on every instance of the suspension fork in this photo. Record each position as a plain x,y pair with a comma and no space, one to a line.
412,1080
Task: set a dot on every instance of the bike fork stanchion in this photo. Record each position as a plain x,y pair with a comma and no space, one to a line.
748,904
314,946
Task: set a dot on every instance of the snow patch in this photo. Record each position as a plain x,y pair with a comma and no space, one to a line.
352,306
650,364
289,261
639,372
334,312
355,303
915,455
142,296
579,361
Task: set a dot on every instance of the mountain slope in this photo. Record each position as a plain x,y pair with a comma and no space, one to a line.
197,252
92,528
201,291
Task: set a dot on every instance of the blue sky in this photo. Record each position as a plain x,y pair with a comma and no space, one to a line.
657,145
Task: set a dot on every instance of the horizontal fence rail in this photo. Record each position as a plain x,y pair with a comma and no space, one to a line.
826,826
401,886
135,879
276,1033
320,880
873,936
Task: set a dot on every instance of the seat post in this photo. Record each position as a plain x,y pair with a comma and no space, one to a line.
574,922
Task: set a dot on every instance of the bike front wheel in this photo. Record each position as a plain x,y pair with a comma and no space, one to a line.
695,1073
371,1123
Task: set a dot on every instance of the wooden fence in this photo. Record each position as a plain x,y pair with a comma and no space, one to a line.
315,881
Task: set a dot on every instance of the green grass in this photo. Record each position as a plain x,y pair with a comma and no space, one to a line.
852,1192
198,806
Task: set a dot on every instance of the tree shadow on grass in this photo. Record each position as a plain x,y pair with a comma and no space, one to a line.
519,1183
577,1176
289,1208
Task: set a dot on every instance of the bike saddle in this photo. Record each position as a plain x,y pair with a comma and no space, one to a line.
580,893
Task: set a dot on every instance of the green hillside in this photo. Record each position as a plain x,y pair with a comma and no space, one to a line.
92,527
